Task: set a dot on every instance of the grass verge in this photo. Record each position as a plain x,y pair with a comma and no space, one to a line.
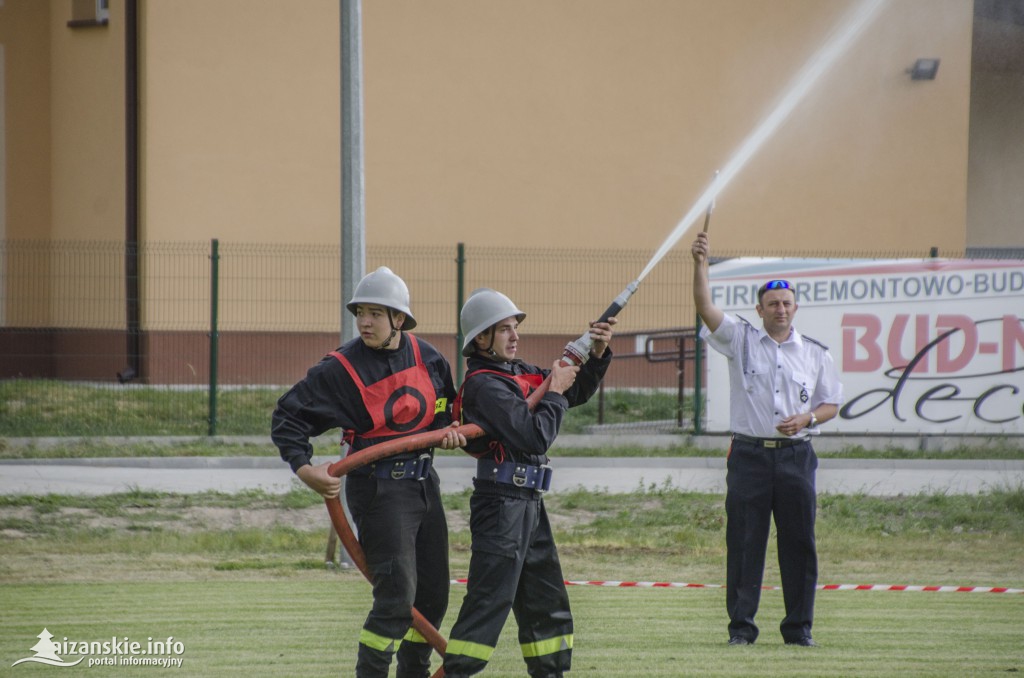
663,535
39,407
307,625
239,580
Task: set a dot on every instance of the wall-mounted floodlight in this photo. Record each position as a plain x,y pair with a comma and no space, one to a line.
924,69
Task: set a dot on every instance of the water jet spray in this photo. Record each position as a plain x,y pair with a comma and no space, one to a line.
711,208
849,29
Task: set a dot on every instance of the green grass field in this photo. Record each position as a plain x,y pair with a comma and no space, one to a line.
307,625
239,580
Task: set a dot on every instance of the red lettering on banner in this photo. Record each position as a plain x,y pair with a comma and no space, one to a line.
899,328
868,341
945,363
951,400
862,342
1013,336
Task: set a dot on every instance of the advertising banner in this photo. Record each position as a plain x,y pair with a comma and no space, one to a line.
923,346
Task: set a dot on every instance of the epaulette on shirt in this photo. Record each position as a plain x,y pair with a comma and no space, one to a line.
814,341
746,345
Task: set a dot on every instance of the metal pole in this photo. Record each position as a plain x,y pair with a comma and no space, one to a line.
698,379
133,301
214,335
460,299
353,192
681,380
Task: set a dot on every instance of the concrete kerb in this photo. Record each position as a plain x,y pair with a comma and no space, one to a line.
581,441
883,477
612,437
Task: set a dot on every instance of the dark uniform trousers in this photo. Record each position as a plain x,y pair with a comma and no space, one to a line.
761,482
514,566
404,535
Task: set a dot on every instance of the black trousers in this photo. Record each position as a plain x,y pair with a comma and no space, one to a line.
514,566
760,483
404,535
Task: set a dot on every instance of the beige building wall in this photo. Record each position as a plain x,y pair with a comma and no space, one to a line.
996,175
24,36
241,120
87,127
584,123
64,161
598,123
25,97
88,169
575,124
995,205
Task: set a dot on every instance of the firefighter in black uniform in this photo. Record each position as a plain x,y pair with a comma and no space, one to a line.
384,384
514,564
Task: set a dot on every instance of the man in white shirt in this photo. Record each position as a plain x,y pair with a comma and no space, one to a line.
782,386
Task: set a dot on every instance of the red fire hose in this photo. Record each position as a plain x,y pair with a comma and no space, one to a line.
576,353
369,455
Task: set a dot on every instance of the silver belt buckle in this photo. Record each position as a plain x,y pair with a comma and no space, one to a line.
519,476
423,467
770,444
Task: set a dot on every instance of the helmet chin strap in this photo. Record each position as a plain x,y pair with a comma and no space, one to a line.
489,350
394,331
490,347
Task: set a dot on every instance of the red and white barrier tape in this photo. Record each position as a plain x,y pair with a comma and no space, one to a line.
905,587
821,587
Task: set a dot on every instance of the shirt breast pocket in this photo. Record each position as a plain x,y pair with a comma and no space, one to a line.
757,376
803,387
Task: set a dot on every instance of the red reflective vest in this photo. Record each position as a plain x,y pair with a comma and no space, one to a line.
399,405
527,383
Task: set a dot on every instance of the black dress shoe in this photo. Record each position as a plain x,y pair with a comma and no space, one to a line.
739,640
806,641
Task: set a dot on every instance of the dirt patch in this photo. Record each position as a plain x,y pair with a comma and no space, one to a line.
185,520
15,522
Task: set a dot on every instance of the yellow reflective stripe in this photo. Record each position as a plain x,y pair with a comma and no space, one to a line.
547,646
380,643
414,636
468,649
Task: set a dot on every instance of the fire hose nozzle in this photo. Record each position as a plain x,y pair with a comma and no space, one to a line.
577,352
620,301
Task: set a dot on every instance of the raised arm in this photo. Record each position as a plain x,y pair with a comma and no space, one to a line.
709,313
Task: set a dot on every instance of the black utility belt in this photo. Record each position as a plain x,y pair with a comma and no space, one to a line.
514,473
770,443
407,469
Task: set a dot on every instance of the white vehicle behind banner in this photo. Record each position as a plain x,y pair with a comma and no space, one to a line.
923,346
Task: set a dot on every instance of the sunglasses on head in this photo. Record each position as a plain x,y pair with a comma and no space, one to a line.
773,285
776,285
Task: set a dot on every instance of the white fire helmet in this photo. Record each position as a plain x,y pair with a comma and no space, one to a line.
484,308
383,288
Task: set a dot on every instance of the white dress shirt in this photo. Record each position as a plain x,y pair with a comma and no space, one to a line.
768,381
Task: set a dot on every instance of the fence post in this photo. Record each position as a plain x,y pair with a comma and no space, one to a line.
214,280
460,284
698,379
